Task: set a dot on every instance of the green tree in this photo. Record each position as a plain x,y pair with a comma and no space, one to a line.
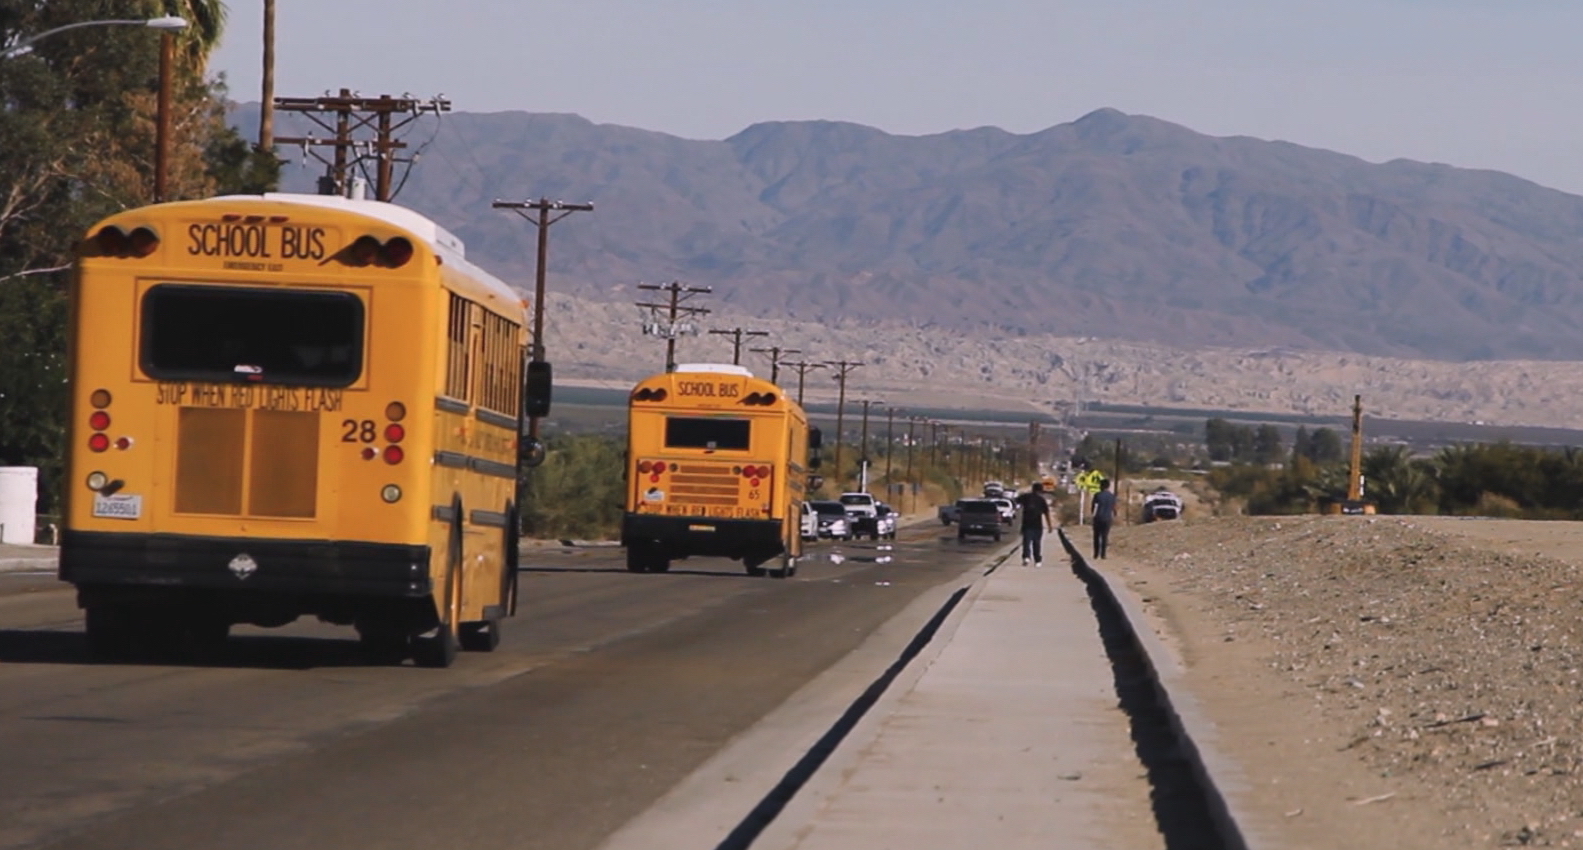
1324,446
1267,446
1399,484
77,128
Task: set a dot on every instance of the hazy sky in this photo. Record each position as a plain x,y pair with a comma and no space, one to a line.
1475,83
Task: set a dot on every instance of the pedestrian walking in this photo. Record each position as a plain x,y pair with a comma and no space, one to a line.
1035,523
1104,515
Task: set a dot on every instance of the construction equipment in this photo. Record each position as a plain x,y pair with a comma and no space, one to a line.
1354,504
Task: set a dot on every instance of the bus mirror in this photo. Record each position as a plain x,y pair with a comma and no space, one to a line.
815,482
530,452
536,390
815,461
815,438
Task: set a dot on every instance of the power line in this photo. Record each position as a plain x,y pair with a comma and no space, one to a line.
842,369
736,335
775,353
803,367
354,114
663,318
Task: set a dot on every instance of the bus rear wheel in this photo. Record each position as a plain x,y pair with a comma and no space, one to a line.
647,559
480,637
109,631
787,568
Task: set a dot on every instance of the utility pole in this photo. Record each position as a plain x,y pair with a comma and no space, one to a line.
670,328
802,367
266,109
167,61
890,443
544,207
843,368
911,484
863,459
736,335
775,353
354,113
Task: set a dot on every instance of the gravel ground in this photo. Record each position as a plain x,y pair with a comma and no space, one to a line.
1436,659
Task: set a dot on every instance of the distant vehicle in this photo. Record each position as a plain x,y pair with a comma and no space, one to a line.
832,520
810,522
977,516
993,489
1161,504
886,521
862,516
948,514
1007,508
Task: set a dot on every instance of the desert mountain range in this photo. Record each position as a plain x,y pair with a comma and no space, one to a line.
1282,277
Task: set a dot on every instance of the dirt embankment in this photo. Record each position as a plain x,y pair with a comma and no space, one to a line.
1383,681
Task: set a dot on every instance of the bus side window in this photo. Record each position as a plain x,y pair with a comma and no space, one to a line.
536,390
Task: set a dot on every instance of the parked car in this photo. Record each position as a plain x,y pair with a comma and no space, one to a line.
977,516
1008,510
832,521
861,515
886,520
1161,504
810,522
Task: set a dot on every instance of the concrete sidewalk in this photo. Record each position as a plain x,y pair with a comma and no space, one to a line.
1003,733
17,558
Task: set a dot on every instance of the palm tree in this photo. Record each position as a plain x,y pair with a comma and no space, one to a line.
205,25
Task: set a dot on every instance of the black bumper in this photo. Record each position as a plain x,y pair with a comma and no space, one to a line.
684,536
317,567
990,527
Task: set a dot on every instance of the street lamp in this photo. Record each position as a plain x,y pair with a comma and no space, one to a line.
168,23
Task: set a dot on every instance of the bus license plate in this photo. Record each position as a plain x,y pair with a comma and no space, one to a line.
119,506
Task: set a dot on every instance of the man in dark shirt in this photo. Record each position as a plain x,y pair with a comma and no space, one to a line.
1104,515
1035,522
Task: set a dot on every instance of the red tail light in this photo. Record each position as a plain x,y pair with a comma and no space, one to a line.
396,252
394,454
98,442
363,251
142,242
394,433
99,420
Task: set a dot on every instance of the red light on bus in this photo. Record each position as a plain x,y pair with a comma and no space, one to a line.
99,420
394,454
142,242
123,443
645,467
369,453
98,442
100,399
397,252
111,241
394,433
362,251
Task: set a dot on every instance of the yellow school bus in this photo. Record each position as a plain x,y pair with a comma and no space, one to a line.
287,406
718,463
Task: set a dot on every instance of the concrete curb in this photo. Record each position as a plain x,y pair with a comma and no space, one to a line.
27,565
1194,732
707,807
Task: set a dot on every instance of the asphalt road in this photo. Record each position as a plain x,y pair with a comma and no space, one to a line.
608,689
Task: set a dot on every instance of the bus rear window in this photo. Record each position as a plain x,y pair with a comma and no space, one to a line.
682,433
276,336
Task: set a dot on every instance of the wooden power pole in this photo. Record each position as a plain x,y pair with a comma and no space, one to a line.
353,114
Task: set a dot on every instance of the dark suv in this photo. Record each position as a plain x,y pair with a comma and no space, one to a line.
977,516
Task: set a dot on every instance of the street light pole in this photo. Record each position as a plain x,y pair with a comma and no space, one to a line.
167,58
168,23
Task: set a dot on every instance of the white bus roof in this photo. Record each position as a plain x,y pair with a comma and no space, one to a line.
716,368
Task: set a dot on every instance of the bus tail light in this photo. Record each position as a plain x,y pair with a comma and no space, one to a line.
98,442
99,421
650,394
759,398
645,467
394,455
390,493
369,453
394,433
395,253
112,241
367,250
395,411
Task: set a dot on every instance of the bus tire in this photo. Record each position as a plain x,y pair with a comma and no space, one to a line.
480,637
382,640
109,633
787,568
439,650
512,567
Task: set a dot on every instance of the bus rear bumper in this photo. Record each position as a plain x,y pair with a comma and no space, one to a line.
245,565
685,536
